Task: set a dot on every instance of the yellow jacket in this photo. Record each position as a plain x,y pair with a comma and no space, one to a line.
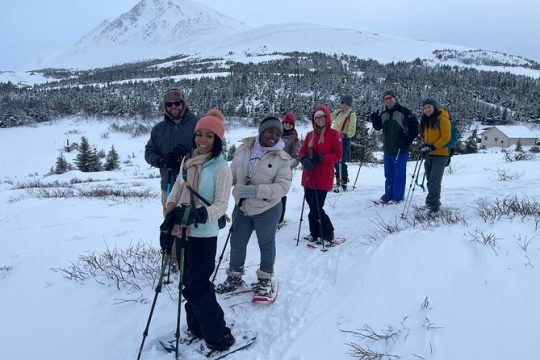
337,122
438,136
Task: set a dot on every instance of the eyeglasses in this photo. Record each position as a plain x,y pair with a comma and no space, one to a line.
388,97
287,123
175,103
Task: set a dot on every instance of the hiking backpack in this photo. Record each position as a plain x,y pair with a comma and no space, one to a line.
455,135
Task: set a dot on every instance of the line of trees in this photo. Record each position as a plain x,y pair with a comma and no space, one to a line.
295,83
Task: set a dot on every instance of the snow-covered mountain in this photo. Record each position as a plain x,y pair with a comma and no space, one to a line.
161,28
155,29
151,29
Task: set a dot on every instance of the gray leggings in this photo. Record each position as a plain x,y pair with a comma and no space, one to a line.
265,226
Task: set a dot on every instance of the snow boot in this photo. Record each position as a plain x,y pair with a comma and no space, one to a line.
232,282
222,343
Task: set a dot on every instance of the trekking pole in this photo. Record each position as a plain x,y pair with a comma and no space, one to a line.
414,177
167,192
423,181
358,173
319,220
235,211
301,216
180,253
164,263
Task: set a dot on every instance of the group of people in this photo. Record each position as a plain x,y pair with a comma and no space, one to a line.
196,182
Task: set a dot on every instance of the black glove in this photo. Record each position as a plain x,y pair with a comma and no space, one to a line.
425,149
180,151
374,116
197,216
170,161
307,163
166,242
317,158
173,218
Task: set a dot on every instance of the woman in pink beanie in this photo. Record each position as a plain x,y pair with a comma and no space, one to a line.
207,173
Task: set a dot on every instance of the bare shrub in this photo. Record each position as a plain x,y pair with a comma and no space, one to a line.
434,219
40,184
133,268
116,193
508,208
366,353
518,156
485,238
367,333
98,192
503,175
383,228
133,128
45,193
4,271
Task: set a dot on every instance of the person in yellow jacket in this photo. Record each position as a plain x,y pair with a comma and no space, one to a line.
436,132
344,121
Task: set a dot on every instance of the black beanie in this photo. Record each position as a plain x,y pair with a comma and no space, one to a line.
389,93
430,102
346,99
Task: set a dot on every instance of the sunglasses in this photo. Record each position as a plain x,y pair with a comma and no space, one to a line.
288,123
388,98
175,103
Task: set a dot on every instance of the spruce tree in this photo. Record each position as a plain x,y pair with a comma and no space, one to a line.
471,145
363,145
113,160
231,152
61,165
95,162
83,159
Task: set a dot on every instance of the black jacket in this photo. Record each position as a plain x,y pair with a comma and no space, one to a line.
399,126
164,136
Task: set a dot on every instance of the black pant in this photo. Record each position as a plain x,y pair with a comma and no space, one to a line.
314,197
204,316
283,205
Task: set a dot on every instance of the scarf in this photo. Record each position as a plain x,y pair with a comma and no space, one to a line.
193,167
258,151
319,131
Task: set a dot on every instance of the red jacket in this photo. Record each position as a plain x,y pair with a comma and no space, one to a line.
322,176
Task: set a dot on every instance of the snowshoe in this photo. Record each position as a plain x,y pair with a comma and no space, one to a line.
264,290
230,284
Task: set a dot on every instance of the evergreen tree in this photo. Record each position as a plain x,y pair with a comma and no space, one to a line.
519,146
113,160
95,162
363,145
61,165
471,145
83,159
231,152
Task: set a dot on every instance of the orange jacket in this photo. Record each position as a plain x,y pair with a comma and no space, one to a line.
438,136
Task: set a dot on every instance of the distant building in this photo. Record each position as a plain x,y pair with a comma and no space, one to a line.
506,135
70,147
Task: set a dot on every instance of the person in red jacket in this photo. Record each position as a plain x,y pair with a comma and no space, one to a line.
320,150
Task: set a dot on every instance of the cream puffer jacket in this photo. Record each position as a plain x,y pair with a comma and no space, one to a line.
272,177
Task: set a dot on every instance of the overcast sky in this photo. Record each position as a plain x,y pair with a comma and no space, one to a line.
32,29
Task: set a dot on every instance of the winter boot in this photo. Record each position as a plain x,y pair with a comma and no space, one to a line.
232,282
222,343
264,286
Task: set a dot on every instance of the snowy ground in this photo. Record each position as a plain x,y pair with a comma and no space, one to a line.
439,293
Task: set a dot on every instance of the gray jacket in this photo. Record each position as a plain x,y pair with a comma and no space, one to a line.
164,136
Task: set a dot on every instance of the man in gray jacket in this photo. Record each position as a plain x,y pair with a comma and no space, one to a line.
171,139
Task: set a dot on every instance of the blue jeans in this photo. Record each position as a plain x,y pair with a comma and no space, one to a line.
346,143
395,173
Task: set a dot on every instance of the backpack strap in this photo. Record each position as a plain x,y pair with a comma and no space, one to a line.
345,121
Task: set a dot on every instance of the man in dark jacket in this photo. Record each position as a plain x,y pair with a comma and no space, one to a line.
400,128
171,139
